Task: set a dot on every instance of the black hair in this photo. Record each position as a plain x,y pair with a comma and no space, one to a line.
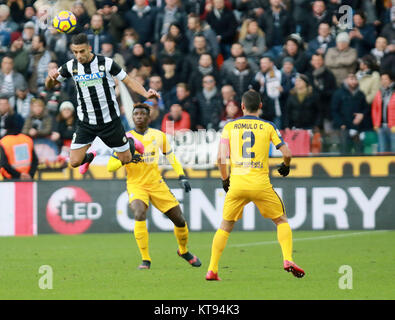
42,38
79,38
251,100
390,74
141,106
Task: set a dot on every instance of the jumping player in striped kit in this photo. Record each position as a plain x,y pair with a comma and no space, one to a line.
98,111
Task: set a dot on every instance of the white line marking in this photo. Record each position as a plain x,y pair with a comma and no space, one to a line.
333,236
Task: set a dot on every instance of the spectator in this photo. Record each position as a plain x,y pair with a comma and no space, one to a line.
232,111
388,30
107,50
28,34
176,120
187,102
156,114
64,126
252,39
380,49
196,26
383,114
97,34
252,8
129,39
388,61
17,9
181,41
348,109
40,57
316,16
6,22
9,79
55,96
324,84
363,35
294,49
224,24
18,53
6,112
302,109
236,50
205,67
268,83
228,94
113,21
277,23
39,123
241,76
368,77
18,159
342,59
138,55
191,61
209,104
57,43
141,18
170,50
82,16
165,16
170,77
301,10
29,14
288,77
322,42
22,101
156,83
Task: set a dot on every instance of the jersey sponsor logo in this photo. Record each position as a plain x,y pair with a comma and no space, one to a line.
89,80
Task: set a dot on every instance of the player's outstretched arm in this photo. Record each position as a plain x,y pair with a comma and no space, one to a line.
175,163
113,163
136,86
287,156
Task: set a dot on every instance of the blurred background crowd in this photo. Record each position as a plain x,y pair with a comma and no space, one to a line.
323,75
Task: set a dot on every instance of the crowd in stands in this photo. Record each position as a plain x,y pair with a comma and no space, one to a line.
313,71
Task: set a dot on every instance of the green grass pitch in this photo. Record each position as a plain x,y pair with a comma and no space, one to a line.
103,266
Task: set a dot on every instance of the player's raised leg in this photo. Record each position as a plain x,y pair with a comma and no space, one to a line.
139,209
218,246
181,233
284,236
80,158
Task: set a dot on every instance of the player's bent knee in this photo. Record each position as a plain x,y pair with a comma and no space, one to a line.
75,163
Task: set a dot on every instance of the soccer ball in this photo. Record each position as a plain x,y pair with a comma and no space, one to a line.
64,22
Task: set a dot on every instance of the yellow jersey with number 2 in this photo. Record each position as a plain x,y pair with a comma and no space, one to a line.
249,140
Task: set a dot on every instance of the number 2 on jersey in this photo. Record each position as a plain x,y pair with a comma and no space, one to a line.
248,142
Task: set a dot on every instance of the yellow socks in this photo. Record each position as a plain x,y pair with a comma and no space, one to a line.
182,234
141,235
284,236
219,243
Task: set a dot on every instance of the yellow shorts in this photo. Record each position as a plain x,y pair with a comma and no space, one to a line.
267,201
158,193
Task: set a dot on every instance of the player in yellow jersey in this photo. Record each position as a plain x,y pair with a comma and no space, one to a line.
145,184
245,143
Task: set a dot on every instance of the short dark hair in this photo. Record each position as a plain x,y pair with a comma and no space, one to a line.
251,100
79,38
42,39
389,74
140,105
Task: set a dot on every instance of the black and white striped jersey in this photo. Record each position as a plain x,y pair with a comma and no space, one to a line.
95,85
